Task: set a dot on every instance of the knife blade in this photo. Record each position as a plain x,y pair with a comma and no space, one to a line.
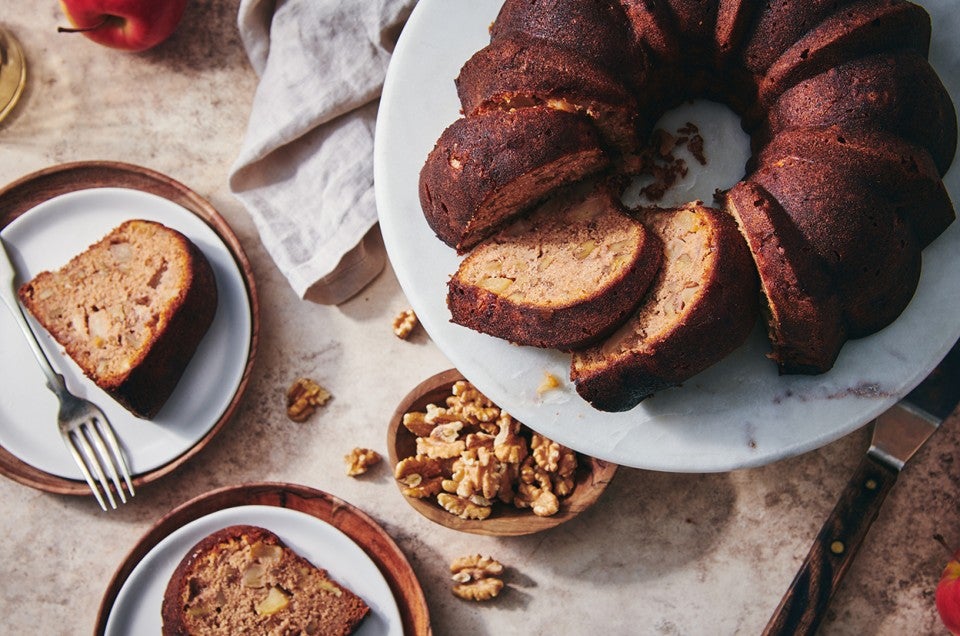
897,435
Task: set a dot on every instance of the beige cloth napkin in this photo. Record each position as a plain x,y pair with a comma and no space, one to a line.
305,168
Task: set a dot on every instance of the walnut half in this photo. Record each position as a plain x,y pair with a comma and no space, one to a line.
476,577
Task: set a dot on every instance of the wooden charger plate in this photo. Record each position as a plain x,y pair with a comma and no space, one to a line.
353,522
592,475
31,190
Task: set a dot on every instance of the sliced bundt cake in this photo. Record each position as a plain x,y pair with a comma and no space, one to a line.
851,128
701,306
487,169
562,277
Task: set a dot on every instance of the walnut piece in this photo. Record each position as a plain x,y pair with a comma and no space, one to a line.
509,446
303,398
476,577
359,460
404,323
545,452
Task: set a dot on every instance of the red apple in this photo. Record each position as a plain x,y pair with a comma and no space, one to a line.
131,25
948,593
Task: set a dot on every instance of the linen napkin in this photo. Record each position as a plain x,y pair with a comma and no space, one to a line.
305,168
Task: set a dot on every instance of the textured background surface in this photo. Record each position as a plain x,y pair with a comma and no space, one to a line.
659,554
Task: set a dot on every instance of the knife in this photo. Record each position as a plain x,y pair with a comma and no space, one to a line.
897,434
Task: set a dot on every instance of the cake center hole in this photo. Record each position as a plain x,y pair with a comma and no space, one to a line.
725,151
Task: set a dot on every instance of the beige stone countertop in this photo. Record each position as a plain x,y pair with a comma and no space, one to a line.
659,553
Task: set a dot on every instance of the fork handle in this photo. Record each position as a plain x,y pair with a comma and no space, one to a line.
8,276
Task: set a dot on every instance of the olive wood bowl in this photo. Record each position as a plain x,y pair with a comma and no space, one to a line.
592,475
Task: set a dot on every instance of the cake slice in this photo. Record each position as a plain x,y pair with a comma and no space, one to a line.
489,168
595,29
516,70
700,307
563,277
130,311
244,580
801,310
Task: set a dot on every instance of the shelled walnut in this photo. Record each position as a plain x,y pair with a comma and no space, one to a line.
477,577
404,324
471,456
303,398
359,461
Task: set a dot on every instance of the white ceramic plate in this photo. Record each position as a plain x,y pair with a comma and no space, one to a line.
736,414
137,606
46,237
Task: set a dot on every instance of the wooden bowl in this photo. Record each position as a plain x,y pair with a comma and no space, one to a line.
592,475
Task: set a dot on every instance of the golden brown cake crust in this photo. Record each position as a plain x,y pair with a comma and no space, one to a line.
172,329
897,94
904,174
340,615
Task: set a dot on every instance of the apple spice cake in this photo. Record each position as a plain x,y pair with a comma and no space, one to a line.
243,579
845,112
130,311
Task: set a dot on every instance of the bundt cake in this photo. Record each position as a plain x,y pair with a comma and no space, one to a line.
700,307
244,580
561,277
851,133
130,310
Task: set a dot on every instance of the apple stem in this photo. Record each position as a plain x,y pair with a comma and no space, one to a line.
939,539
100,24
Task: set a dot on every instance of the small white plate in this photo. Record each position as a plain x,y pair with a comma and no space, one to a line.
46,237
136,609
736,414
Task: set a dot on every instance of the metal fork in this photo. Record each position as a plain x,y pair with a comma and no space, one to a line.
86,431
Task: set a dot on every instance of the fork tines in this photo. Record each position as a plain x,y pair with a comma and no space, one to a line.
94,446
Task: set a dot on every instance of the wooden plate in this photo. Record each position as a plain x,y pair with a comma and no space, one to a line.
353,522
24,194
592,474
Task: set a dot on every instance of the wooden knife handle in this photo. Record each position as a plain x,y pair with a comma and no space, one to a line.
805,603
